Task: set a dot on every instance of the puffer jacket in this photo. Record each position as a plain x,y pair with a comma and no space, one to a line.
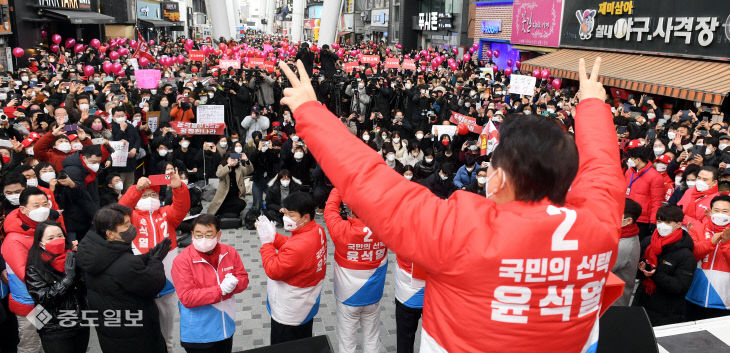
50,288
711,283
647,189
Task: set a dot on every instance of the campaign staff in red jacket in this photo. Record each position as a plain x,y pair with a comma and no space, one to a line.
295,266
645,186
207,274
524,270
696,200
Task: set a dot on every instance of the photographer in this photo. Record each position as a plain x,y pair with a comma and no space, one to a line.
262,87
360,98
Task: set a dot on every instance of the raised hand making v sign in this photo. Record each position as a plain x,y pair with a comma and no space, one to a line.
301,90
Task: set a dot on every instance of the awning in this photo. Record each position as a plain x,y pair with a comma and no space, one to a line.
694,80
157,23
78,17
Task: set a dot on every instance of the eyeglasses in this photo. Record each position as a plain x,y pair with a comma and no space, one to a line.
152,194
201,235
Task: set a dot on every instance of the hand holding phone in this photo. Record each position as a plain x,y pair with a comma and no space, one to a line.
160,179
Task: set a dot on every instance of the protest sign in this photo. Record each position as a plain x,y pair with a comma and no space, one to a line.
349,67
255,62
210,114
409,64
470,122
521,84
197,129
370,59
147,78
392,63
270,66
438,130
224,64
121,153
196,55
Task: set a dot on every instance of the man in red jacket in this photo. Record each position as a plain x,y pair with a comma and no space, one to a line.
696,200
55,146
525,269
645,186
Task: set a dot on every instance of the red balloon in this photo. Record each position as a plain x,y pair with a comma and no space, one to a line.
133,43
143,61
463,129
472,50
102,49
545,73
189,43
114,55
454,50
44,34
489,53
536,73
55,48
78,48
496,53
557,83
399,46
70,42
88,70
180,59
518,64
509,62
123,51
56,38
466,57
507,71
222,46
95,43
107,67
116,68
152,42
495,68
18,52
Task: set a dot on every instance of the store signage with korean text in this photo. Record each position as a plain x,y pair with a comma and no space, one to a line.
65,4
435,21
492,26
171,11
537,22
700,29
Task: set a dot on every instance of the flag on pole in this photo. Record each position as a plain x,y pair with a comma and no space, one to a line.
143,49
489,138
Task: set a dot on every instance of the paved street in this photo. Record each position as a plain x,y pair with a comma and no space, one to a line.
252,319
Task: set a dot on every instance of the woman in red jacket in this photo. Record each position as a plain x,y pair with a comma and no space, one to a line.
645,186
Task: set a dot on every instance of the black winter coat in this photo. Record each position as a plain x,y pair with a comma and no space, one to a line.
55,292
673,277
117,279
80,203
273,194
440,188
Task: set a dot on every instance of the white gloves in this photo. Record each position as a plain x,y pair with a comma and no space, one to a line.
229,284
266,230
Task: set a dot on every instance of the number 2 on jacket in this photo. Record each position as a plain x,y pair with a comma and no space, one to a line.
559,243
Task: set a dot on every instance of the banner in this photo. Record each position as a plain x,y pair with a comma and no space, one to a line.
438,130
224,64
211,114
521,84
350,67
537,22
153,120
121,153
171,11
392,63
409,64
470,122
197,129
255,62
270,66
699,28
489,139
370,59
147,78
143,49
196,55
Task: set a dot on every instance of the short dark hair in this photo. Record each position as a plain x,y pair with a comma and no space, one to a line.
642,153
119,109
207,220
710,169
111,176
15,178
284,173
83,96
718,198
109,218
27,193
632,209
300,202
539,157
91,150
669,213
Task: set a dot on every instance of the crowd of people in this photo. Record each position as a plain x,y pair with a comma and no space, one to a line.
89,238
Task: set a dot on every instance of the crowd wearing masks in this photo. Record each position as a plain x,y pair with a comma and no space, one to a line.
82,232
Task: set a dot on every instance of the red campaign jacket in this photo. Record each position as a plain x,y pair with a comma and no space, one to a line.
647,190
694,208
297,262
44,151
164,221
668,186
487,268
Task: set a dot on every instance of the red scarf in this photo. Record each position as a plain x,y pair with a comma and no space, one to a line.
697,194
629,230
92,174
27,221
654,250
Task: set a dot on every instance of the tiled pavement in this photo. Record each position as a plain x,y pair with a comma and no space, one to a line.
252,319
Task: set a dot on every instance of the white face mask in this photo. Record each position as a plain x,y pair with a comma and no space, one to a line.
701,186
360,86
223,144
671,135
64,147
184,181
408,177
298,155
408,86
722,146
443,177
482,180
428,160
651,116
153,91
708,150
119,186
48,176
630,163
238,149
486,185
29,151
419,136
150,204
289,224
77,146
677,180
32,182
84,106
390,157
366,137
664,229
285,183
720,219
14,199
120,120
295,138
162,153
658,151
204,245
40,214
185,144
661,167
691,183
396,140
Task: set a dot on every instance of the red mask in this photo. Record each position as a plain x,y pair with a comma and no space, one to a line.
56,246
6,159
445,142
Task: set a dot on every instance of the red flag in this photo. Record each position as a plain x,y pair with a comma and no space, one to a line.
489,138
143,49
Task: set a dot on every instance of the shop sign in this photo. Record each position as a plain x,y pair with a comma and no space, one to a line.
148,10
537,22
674,27
435,21
65,4
171,11
492,26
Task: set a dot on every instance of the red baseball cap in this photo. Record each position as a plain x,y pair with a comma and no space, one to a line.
635,144
664,159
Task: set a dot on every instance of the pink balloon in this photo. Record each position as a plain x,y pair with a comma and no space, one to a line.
152,42
18,52
387,51
557,83
472,50
116,68
94,43
453,66
418,57
189,43
56,38
55,48
143,61
536,73
132,43
489,53
123,51
518,64
434,64
454,50
496,53
114,55
78,48
180,59
335,46
507,71
107,67
399,46
222,46
509,62
44,34
495,68
88,70
466,57
545,73
70,42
